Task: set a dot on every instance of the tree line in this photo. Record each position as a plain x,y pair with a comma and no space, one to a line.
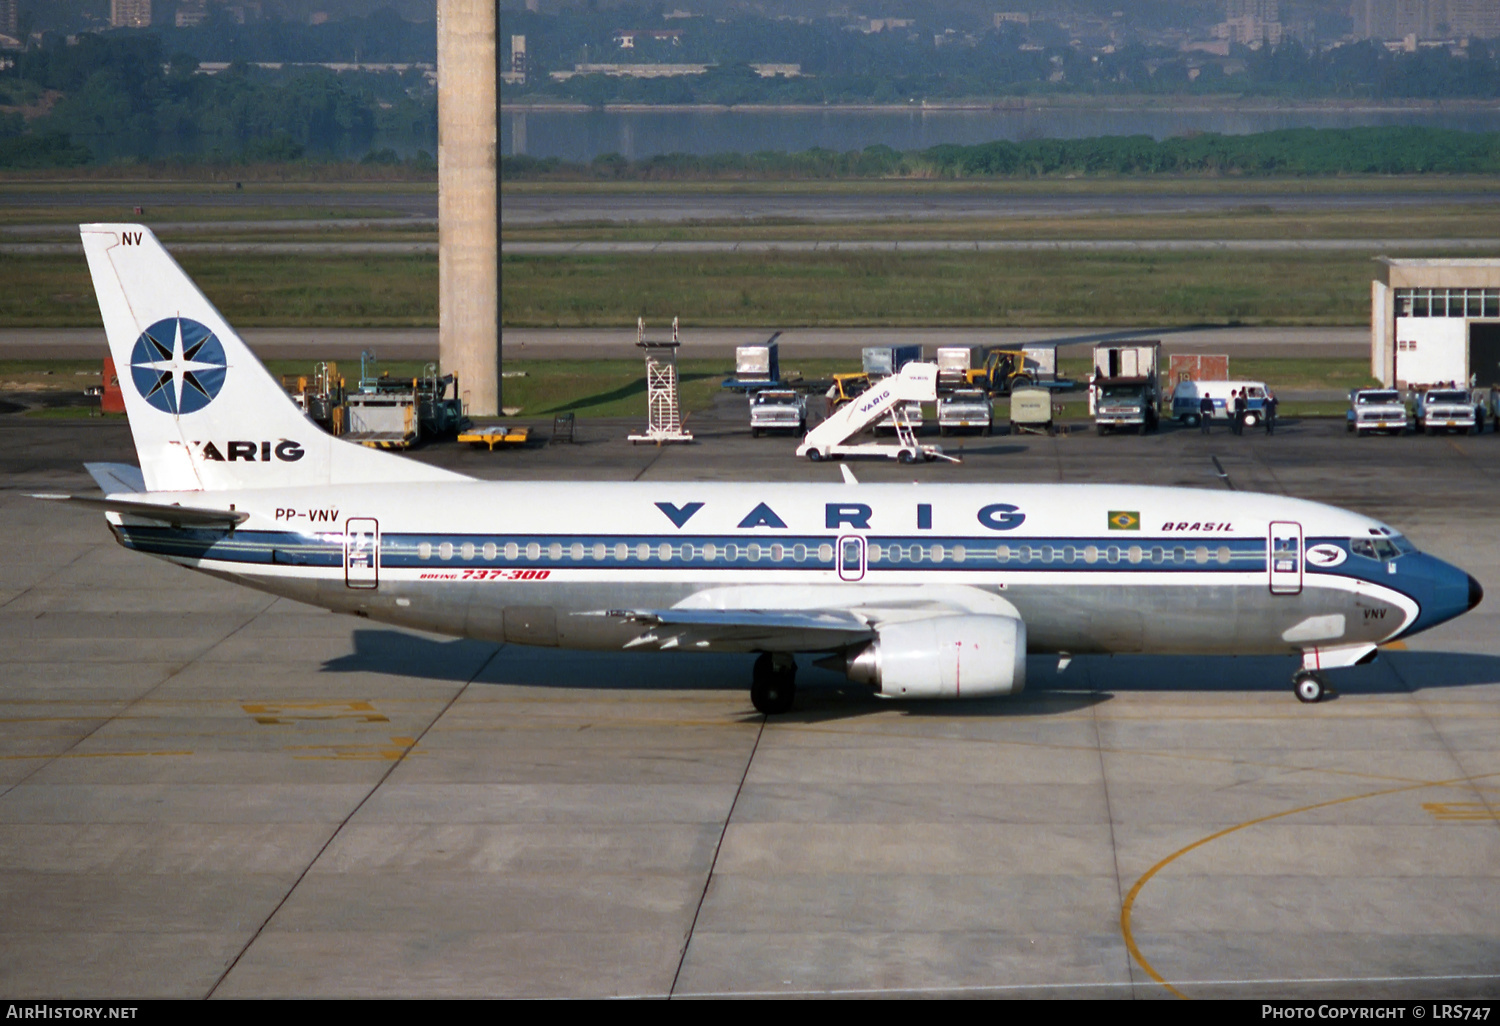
119,97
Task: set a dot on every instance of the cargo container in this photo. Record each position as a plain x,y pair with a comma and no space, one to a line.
883,361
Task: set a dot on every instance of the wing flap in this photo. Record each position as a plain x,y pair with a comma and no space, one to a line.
794,630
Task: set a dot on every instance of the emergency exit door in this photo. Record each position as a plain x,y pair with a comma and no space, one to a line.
1284,562
361,553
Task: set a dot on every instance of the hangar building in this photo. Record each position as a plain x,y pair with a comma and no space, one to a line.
1434,321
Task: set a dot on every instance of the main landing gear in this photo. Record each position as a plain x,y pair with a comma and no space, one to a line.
1311,687
773,683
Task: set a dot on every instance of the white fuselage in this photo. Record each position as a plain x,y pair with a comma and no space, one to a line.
1090,568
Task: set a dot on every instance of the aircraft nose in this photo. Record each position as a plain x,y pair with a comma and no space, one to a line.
1476,593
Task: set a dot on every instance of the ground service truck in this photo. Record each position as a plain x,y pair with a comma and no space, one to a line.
1124,388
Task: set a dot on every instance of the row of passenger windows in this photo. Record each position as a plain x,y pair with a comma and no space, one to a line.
1448,302
1158,554
1180,555
621,551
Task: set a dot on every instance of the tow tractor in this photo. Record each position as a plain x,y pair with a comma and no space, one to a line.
916,383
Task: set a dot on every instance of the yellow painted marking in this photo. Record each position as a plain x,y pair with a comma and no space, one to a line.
1461,812
398,749
1129,903
93,755
1394,646
284,713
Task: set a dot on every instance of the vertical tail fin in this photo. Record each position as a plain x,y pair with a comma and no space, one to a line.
205,413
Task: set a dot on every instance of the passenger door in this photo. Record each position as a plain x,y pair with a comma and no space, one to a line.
1284,562
361,553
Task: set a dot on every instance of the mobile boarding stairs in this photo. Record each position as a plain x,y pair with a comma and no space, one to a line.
917,382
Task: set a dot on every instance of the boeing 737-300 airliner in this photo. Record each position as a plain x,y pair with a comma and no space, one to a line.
919,591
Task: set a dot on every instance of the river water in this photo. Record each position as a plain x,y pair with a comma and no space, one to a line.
635,134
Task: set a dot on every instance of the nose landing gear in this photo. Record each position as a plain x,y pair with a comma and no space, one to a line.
773,683
1311,687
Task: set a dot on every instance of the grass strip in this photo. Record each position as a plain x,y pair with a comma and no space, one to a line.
727,289
250,290
938,289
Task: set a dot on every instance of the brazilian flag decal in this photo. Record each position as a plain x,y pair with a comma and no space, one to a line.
1124,520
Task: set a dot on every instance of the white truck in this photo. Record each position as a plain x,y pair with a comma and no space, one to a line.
1124,389
1381,410
917,383
1446,409
964,409
777,409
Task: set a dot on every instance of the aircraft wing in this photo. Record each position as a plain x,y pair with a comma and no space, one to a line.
814,630
176,516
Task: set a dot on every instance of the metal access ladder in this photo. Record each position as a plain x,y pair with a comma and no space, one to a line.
663,409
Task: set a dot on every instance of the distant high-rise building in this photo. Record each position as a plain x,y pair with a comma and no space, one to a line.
130,13
1261,10
10,18
191,13
1425,19
1479,18
518,59
1251,22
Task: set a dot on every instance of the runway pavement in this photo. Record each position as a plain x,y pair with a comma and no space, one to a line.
518,249
739,203
205,791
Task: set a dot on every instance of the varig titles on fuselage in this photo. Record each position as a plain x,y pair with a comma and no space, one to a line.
997,516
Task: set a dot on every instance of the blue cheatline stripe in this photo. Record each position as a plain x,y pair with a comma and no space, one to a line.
709,552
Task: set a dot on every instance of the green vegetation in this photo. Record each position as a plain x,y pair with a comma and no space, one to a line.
938,288
728,289
252,291
120,97
66,218
1396,150
954,52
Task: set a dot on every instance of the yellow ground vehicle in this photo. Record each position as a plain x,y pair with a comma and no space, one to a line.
845,387
1003,371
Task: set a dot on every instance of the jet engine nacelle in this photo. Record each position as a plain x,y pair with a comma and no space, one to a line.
944,657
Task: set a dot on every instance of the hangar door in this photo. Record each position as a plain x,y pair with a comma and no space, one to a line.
1484,354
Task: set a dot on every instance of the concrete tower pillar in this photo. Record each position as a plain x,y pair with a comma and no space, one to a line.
468,202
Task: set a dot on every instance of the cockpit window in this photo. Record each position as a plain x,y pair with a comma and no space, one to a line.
1375,548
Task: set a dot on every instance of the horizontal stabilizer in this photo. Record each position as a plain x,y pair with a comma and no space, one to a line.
176,516
115,478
